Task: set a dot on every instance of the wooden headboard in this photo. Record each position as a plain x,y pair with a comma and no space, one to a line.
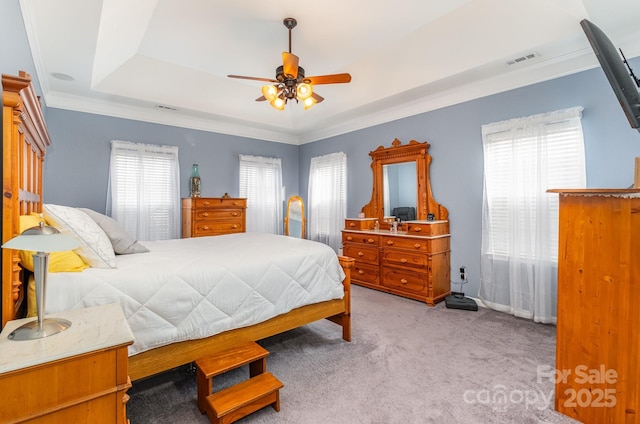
24,142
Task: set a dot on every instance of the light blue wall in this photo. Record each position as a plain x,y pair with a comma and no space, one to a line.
454,134
77,164
15,53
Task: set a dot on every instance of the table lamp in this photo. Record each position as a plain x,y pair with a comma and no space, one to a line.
42,239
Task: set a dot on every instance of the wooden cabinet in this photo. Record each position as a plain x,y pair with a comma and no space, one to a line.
77,376
410,264
213,216
597,345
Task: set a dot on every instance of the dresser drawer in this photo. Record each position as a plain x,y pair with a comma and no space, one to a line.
407,281
422,244
405,258
204,202
367,254
360,224
365,273
222,214
427,228
364,238
213,228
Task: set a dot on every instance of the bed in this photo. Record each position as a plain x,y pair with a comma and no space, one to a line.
25,140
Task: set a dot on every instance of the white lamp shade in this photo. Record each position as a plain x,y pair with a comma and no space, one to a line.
34,239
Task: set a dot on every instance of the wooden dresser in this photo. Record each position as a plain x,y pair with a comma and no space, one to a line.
415,260
413,263
597,344
77,376
213,216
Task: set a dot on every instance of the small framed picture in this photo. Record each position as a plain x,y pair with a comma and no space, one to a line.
431,217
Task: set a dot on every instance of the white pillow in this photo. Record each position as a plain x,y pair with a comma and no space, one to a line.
123,243
95,247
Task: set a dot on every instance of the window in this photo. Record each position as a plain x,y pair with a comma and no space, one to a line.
261,184
523,158
144,189
327,198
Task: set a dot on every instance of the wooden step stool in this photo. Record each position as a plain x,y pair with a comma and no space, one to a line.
242,399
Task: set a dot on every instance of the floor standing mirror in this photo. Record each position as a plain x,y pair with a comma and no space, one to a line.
294,222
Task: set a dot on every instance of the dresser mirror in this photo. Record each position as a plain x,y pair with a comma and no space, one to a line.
400,190
294,222
401,184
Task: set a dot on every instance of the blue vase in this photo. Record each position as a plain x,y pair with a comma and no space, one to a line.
194,181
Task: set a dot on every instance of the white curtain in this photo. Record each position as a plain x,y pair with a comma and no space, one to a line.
327,198
523,158
261,184
144,189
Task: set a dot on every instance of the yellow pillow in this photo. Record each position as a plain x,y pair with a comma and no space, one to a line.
32,308
67,261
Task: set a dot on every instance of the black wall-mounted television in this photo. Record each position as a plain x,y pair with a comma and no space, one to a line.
617,70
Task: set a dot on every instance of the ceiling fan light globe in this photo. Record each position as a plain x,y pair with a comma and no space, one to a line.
277,103
308,102
269,92
304,91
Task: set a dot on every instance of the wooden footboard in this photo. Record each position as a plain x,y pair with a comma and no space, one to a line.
167,357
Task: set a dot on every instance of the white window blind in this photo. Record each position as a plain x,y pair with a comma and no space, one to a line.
144,189
523,158
261,185
327,198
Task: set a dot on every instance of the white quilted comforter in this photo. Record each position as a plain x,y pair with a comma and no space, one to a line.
193,288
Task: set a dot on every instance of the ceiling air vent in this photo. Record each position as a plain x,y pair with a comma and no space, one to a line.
524,58
164,107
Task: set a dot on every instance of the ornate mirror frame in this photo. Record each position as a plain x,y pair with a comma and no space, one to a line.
287,219
417,152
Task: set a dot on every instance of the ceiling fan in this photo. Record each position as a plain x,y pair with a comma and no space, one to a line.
290,82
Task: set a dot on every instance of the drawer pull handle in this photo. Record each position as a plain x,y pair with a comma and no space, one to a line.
234,226
403,260
370,240
205,213
360,254
206,203
361,272
352,224
390,242
349,238
234,213
417,229
417,245
403,281
204,227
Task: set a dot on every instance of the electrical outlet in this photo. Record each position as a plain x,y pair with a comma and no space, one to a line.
463,273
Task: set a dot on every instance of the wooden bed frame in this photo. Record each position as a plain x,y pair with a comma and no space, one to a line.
25,140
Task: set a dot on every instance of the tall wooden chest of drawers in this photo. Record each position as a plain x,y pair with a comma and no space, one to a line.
213,216
413,263
597,371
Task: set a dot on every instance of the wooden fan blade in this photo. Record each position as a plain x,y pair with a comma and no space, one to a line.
290,64
318,97
253,78
329,79
261,99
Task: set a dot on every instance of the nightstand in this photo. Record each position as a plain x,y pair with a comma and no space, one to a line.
77,376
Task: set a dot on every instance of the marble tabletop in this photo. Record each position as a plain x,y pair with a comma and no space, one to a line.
93,328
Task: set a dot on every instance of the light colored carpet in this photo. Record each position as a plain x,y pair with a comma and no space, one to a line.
407,363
